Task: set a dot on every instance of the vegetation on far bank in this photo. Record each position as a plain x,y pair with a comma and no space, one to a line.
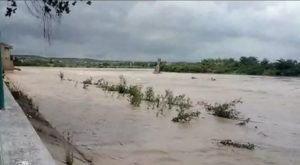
244,65
27,60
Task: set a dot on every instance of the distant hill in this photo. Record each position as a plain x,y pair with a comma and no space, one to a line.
29,56
34,60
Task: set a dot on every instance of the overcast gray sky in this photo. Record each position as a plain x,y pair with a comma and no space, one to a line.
175,31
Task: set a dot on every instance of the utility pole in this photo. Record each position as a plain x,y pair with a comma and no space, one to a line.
1,79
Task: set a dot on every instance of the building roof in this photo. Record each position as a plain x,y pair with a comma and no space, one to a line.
6,45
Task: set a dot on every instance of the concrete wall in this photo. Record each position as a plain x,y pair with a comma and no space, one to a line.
19,143
6,56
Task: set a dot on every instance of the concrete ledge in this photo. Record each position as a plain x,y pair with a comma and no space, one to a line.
19,143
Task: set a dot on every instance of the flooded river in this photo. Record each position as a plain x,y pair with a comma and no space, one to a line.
114,133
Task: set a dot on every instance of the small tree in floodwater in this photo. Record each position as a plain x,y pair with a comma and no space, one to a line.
183,116
135,95
122,87
169,98
61,75
225,110
184,104
149,94
88,81
182,101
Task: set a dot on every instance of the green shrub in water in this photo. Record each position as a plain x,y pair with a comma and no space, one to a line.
88,81
183,116
169,98
149,94
61,75
135,95
226,110
122,86
182,102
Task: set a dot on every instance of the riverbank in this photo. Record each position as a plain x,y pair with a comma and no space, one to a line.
55,142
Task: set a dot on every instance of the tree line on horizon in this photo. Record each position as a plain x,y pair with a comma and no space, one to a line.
245,65
28,60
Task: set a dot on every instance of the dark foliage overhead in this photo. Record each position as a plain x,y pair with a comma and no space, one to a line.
58,7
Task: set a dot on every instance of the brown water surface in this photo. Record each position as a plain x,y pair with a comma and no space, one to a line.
114,132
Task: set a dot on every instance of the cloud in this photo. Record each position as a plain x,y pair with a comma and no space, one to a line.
175,31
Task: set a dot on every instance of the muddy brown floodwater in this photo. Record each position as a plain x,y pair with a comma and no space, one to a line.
113,132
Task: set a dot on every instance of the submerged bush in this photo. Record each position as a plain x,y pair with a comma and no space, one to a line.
229,142
88,81
226,110
157,101
183,116
168,101
122,86
149,94
85,86
182,101
99,82
161,102
135,95
169,98
112,88
61,75
244,122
